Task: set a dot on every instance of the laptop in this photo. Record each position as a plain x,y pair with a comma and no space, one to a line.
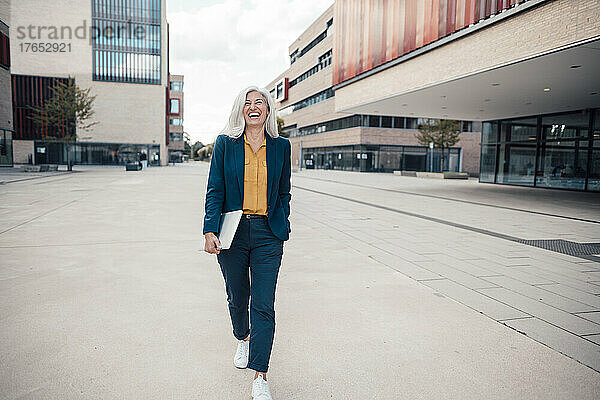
228,226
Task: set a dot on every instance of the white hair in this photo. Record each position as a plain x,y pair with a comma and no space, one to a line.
237,124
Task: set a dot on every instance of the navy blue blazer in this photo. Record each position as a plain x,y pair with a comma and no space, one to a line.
225,189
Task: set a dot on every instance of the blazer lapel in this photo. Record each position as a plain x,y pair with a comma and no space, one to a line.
271,163
239,164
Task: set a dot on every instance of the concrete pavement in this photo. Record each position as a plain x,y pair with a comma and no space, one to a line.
384,291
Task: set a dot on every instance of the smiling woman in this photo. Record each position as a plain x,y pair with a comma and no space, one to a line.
237,120
251,174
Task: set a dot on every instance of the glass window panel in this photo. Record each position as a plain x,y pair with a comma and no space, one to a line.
177,86
386,122
488,163
374,121
563,164
390,160
518,130
594,175
489,132
516,164
398,122
174,106
411,123
565,126
120,50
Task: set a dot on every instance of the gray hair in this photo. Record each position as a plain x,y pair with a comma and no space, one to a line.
237,124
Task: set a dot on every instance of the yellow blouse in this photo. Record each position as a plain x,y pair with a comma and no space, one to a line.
255,179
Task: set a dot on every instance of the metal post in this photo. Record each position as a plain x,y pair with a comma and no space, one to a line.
300,159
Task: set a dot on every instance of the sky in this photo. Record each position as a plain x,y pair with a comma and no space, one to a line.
224,46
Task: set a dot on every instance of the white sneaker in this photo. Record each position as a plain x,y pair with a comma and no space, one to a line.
260,389
240,360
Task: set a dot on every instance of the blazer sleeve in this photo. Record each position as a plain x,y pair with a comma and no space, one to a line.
285,182
215,189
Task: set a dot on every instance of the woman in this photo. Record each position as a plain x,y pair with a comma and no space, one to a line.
250,170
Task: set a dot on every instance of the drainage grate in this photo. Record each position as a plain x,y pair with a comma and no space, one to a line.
565,246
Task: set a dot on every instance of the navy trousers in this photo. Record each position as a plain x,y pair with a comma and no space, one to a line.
250,268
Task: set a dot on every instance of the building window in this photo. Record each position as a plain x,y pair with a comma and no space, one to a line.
176,86
126,41
296,55
29,93
309,101
324,61
374,121
4,51
176,121
379,158
54,152
370,121
176,136
174,106
554,151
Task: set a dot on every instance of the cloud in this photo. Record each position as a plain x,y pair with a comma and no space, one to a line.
225,46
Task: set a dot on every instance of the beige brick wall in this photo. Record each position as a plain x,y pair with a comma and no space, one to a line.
317,82
5,11
323,111
127,113
549,26
21,151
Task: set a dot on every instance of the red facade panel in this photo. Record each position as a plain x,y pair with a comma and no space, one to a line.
372,32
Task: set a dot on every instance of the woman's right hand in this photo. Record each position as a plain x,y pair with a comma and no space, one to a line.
211,243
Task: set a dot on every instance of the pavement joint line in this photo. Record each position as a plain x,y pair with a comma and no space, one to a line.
95,244
502,321
498,235
456,200
37,177
513,319
38,216
51,181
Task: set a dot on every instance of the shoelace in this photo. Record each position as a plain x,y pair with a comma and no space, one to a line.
262,386
244,349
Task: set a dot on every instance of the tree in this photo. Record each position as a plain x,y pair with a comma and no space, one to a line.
69,109
443,133
280,125
187,148
195,147
205,151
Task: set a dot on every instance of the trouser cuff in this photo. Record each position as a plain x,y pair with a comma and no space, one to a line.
258,368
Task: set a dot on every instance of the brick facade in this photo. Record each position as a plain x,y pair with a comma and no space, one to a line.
326,110
548,26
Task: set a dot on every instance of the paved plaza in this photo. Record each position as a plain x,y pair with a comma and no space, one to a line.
390,288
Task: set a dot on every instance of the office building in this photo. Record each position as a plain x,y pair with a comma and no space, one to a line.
118,49
175,117
374,141
526,69
6,126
